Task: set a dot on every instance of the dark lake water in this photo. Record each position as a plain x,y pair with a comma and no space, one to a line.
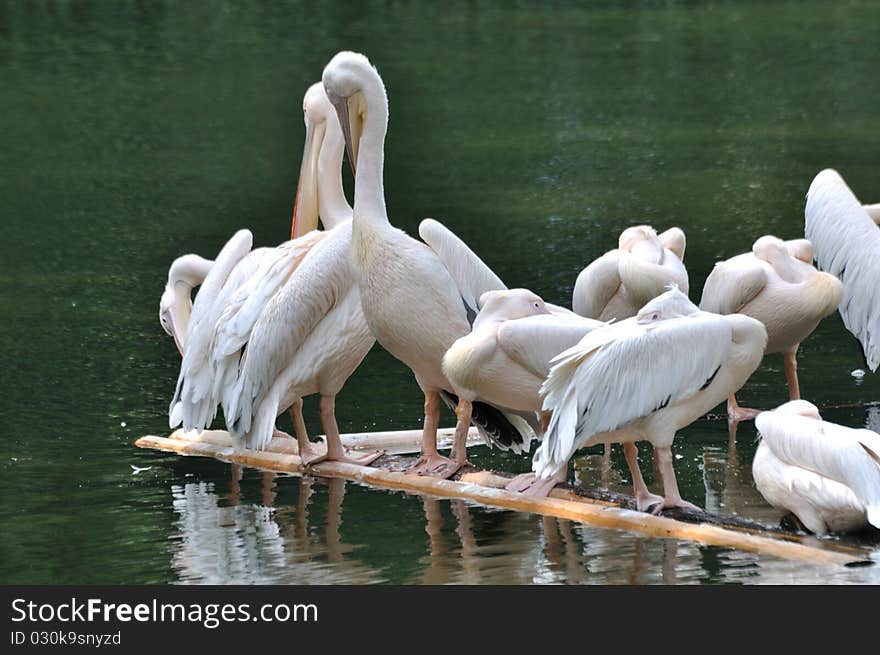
133,132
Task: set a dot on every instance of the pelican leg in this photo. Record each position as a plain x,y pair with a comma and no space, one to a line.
530,485
644,498
308,453
790,361
335,450
672,498
431,462
735,413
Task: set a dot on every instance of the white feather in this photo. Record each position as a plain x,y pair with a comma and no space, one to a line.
847,243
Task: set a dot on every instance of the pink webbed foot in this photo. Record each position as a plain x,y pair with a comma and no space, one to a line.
646,500
529,484
737,414
312,455
669,503
435,466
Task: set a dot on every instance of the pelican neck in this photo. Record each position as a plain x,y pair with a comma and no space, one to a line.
332,203
369,190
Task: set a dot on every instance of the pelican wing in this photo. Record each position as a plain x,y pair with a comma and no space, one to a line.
732,284
845,455
309,294
533,341
623,372
471,275
596,285
191,404
847,244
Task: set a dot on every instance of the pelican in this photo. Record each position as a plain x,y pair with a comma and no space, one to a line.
827,475
310,336
242,288
506,357
175,306
418,297
620,282
848,246
776,284
645,378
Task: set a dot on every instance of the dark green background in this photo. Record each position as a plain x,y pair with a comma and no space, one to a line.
132,132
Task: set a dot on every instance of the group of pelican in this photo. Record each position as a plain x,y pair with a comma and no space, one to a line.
635,361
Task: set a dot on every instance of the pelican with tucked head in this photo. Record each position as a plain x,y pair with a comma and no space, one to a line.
175,306
506,357
776,284
418,297
621,281
827,475
643,379
239,361
848,246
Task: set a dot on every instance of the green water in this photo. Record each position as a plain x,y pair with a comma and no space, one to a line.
133,132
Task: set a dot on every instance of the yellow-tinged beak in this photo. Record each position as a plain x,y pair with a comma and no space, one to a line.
352,127
305,208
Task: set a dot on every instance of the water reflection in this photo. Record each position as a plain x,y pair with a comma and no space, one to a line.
224,539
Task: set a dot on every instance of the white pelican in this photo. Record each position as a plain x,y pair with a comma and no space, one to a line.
776,284
620,282
417,297
848,246
175,306
506,357
311,335
242,290
645,378
827,475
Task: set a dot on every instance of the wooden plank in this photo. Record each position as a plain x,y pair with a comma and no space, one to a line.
481,487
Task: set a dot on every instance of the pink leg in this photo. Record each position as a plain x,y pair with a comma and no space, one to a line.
309,453
431,462
790,361
335,450
737,413
670,484
644,498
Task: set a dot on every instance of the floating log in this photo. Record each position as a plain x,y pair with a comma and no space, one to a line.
486,488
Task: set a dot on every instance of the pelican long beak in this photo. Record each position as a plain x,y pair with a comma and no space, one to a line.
305,208
352,126
178,329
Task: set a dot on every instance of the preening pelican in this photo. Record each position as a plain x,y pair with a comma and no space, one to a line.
252,296
417,296
506,357
311,335
175,306
827,475
621,281
776,284
645,378
848,246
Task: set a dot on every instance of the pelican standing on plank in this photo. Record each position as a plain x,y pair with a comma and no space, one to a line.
776,284
506,357
620,282
417,296
311,334
645,378
255,282
175,306
827,475
848,246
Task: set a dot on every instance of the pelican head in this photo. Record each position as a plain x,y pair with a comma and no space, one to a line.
670,304
510,304
769,247
799,408
175,305
323,145
344,81
643,242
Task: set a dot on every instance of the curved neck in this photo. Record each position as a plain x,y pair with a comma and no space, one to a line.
369,190
332,203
